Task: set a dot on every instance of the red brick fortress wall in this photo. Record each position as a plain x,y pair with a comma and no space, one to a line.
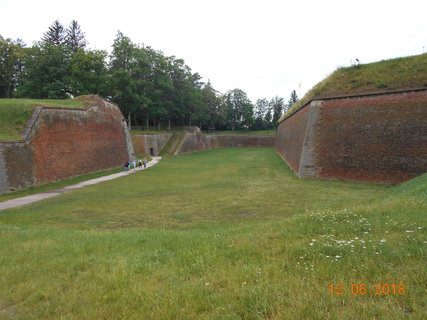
196,141
378,137
381,138
290,138
70,142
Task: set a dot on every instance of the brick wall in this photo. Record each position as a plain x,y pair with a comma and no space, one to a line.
196,141
71,142
380,138
63,143
142,143
371,138
290,137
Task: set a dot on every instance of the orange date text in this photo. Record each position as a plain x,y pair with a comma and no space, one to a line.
371,289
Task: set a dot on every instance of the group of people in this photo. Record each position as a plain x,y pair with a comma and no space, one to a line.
128,164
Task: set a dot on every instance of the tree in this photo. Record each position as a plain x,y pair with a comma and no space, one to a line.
277,104
293,99
269,119
55,35
209,115
88,73
122,70
260,109
11,53
239,109
46,72
75,38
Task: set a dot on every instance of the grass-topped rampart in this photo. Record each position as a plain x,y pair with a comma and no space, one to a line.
15,113
393,74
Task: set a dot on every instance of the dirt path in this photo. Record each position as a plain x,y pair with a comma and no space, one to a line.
17,202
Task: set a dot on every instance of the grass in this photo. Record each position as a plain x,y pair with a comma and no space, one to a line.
15,113
387,74
220,234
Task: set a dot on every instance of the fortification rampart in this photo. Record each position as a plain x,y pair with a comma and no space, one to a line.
378,137
150,144
59,143
196,141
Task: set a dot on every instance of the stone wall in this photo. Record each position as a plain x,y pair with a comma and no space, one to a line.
196,141
290,138
61,143
379,137
16,170
145,143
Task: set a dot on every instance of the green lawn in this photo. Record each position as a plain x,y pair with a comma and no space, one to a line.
221,234
15,113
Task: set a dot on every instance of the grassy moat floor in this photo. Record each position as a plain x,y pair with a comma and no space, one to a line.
220,234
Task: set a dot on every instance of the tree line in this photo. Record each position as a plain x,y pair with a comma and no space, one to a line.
151,89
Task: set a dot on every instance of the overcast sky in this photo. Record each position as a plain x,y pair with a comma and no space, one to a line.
266,47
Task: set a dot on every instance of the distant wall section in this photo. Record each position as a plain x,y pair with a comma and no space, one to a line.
379,137
196,141
150,143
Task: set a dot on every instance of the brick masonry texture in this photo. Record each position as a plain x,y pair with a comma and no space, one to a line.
378,138
196,141
142,143
290,138
374,138
67,142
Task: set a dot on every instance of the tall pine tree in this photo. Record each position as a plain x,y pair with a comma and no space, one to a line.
75,37
55,35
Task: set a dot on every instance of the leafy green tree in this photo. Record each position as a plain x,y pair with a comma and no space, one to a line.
239,109
277,104
11,53
55,35
260,109
210,115
88,73
75,37
46,72
122,65
268,119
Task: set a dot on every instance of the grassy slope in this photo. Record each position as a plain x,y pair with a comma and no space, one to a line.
386,74
15,113
227,233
